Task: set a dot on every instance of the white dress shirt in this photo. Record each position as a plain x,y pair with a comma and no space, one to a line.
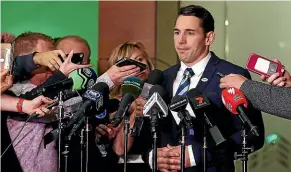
198,69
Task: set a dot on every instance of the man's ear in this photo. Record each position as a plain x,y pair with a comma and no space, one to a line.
210,37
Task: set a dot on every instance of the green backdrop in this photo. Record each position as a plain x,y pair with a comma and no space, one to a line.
55,19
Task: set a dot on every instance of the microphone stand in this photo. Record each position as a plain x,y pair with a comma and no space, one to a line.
126,131
245,151
154,124
183,146
185,123
205,149
87,129
60,126
82,147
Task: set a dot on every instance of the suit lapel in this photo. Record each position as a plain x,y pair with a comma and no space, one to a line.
208,72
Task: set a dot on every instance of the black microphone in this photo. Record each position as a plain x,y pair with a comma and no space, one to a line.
95,100
178,104
199,103
156,77
130,88
79,79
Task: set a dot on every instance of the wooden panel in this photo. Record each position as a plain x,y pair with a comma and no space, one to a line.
124,21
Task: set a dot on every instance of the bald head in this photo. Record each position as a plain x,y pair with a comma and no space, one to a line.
75,43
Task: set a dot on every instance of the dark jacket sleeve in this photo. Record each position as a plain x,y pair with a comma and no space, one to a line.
23,66
56,77
267,98
255,117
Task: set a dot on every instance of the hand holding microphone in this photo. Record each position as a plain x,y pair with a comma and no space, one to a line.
235,101
36,106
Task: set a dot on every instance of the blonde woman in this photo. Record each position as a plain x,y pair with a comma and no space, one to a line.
138,145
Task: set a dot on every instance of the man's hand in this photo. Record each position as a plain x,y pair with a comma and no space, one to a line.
168,160
6,81
274,79
177,149
67,67
118,74
232,80
139,104
105,131
7,37
36,105
50,59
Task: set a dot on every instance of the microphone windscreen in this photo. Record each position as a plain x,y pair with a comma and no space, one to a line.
112,105
101,87
159,89
131,85
83,78
232,98
194,92
178,103
156,77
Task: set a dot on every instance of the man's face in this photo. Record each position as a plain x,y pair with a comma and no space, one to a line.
70,44
191,43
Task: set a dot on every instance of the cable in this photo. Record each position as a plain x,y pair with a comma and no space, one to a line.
17,135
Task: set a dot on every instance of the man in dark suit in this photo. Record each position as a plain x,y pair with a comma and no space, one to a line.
193,35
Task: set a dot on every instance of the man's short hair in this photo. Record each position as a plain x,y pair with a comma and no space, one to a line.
75,38
207,20
26,42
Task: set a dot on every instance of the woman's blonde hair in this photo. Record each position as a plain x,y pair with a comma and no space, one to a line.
126,50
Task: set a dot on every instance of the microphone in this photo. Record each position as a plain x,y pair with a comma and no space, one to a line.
95,101
130,89
235,101
79,79
156,104
178,104
199,103
103,118
156,77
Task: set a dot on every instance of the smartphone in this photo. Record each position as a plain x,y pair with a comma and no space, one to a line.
263,66
127,61
77,58
6,59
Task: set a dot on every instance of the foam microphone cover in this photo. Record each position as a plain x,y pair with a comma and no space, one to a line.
132,86
83,78
232,98
156,77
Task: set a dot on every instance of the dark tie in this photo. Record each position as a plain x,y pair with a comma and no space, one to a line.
183,89
185,83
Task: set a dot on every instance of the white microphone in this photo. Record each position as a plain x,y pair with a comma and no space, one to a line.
156,103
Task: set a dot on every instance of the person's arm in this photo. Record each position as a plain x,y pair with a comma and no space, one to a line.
255,117
118,142
23,66
15,104
106,79
270,99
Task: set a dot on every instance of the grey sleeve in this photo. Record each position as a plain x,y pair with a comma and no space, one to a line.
267,98
106,79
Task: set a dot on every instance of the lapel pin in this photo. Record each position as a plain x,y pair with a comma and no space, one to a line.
204,79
